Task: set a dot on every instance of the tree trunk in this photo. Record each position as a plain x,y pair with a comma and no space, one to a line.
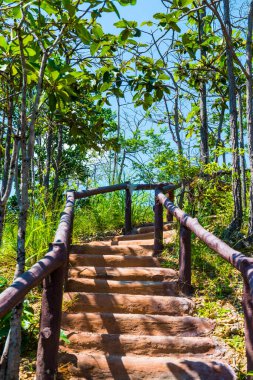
8,187
48,162
204,150
116,153
249,108
7,156
13,360
2,217
58,163
236,175
219,131
242,154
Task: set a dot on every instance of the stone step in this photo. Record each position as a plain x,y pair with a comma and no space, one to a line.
145,236
132,250
137,324
147,229
126,303
144,368
135,274
113,260
115,344
161,288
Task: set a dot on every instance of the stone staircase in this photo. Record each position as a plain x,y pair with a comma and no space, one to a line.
126,319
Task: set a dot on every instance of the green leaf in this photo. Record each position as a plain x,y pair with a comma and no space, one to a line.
105,86
52,101
184,3
27,39
3,281
115,9
3,43
159,93
120,24
16,12
106,77
94,48
98,31
127,2
173,25
148,23
55,75
125,34
47,7
3,67
84,34
64,337
30,52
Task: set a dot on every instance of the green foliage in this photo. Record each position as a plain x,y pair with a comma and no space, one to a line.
41,225
102,215
29,328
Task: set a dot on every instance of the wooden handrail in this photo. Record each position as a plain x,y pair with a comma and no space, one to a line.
124,186
236,258
15,293
241,262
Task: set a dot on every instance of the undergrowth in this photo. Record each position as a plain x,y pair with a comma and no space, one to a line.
217,291
102,215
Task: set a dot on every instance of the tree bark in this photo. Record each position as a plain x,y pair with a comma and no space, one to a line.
249,111
116,153
7,157
242,154
219,132
49,159
58,163
236,174
5,196
204,149
13,360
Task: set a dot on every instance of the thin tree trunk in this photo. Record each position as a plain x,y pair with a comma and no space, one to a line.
236,175
204,149
175,136
5,196
122,166
219,131
49,154
242,154
249,111
13,361
58,163
115,161
7,157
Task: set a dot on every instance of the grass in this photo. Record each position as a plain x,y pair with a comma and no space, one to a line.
217,293
103,215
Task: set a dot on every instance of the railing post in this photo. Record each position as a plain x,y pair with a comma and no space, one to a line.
158,235
185,259
50,321
128,212
247,304
169,216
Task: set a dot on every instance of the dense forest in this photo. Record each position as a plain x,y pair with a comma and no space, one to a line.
85,102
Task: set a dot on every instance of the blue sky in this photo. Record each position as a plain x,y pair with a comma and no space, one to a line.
142,11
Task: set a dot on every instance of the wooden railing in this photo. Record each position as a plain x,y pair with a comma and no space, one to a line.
241,262
52,269
52,272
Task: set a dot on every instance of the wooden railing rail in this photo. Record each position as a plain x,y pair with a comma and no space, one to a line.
129,188
241,262
51,270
